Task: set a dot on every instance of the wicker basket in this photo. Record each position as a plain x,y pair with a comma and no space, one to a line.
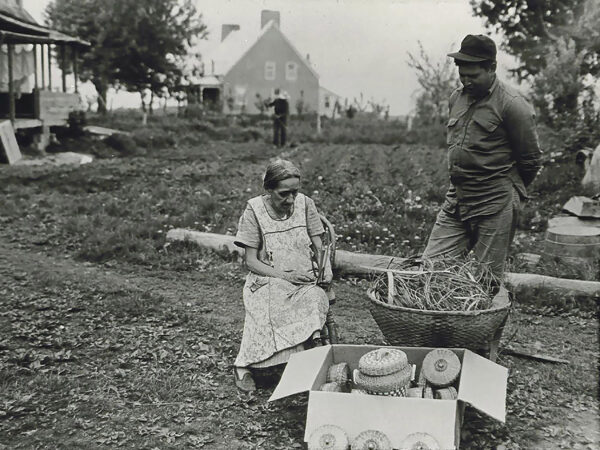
417,328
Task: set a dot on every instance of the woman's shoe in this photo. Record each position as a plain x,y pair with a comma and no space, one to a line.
246,383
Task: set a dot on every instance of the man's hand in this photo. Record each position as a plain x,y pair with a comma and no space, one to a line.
297,277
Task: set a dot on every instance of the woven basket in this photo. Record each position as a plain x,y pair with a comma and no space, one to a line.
371,440
417,328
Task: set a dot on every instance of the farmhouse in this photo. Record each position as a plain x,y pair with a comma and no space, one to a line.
28,98
248,65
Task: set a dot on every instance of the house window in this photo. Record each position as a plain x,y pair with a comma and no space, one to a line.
327,101
269,70
291,71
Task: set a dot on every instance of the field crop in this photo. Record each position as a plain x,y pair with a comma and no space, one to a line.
114,338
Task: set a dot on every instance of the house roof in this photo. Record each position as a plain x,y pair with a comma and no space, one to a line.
18,27
237,44
12,9
329,92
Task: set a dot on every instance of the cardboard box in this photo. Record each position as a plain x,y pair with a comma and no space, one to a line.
482,384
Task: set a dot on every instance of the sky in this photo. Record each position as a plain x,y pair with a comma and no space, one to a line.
356,46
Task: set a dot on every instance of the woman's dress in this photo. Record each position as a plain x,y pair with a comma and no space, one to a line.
280,316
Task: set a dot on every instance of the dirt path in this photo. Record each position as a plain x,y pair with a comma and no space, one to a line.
109,356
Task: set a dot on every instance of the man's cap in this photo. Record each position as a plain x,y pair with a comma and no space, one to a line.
475,48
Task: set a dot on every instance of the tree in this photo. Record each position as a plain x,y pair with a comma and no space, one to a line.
137,45
558,45
529,26
437,82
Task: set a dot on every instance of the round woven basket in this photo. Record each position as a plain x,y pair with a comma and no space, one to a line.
339,373
383,361
328,437
417,328
441,367
419,441
385,383
371,440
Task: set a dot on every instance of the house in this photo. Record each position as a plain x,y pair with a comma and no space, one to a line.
27,98
248,65
330,104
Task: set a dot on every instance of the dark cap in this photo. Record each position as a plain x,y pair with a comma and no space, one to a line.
475,48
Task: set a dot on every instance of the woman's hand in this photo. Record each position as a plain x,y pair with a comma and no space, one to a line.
297,277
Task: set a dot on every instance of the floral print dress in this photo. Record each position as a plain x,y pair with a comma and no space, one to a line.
280,316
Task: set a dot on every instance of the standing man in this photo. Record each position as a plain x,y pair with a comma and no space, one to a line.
281,111
493,155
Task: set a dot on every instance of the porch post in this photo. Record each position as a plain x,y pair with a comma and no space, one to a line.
11,87
63,62
49,66
75,68
35,67
43,65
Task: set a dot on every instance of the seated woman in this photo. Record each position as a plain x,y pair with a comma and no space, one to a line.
280,232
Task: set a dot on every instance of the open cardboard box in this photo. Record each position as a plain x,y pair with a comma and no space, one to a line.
482,384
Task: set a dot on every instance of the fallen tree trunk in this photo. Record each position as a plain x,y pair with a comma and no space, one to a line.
361,265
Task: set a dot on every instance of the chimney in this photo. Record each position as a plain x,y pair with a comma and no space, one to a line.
228,28
268,15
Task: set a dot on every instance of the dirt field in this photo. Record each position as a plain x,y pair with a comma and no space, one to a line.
111,339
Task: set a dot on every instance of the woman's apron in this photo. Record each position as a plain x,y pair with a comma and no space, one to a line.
280,315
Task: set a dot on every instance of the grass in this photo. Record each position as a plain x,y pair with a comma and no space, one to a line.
112,337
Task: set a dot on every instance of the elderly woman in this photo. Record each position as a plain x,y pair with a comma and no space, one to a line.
280,232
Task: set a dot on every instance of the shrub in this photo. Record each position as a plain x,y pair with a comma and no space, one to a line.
123,144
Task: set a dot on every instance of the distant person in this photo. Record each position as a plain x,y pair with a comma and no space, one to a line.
280,232
280,117
493,155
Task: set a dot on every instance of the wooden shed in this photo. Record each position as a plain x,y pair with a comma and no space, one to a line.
26,51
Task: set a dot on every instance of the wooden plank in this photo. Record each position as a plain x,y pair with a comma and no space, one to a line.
27,123
49,46
75,74
35,66
56,106
11,84
528,354
583,207
9,142
43,65
63,62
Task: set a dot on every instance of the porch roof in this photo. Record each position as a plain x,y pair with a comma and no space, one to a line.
18,27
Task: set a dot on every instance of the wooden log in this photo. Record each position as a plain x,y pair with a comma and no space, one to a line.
362,264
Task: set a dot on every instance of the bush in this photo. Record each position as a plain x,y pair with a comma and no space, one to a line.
123,144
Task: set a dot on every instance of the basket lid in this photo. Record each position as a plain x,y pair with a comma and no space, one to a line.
382,361
328,437
371,440
441,367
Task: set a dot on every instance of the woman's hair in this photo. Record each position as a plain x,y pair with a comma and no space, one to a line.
277,171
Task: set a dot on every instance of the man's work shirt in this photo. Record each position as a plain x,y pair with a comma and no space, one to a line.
281,107
492,146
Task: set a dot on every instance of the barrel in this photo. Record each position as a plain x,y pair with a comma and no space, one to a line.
573,243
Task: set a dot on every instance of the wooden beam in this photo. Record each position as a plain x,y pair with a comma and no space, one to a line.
363,265
11,85
75,74
63,63
43,65
49,67
35,66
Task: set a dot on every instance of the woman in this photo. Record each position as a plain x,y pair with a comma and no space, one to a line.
280,232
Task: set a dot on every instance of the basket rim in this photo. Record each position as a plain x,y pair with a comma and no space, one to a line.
377,302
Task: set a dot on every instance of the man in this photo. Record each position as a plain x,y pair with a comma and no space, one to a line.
281,111
493,155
